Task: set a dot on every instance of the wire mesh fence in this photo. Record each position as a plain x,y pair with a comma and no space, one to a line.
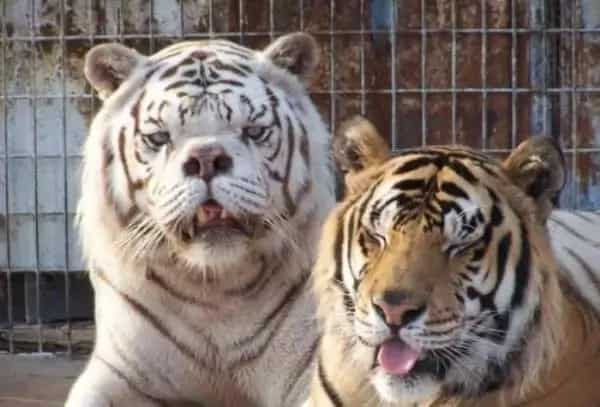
482,73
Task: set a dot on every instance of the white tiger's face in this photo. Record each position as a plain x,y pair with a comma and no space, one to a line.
214,152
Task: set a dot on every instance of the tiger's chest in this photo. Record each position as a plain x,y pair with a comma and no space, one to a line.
184,346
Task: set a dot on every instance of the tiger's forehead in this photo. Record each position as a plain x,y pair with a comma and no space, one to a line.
208,47
429,163
429,180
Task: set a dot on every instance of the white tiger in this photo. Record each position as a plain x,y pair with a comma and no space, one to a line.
206,178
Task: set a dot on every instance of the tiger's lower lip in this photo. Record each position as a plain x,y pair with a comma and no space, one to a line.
218,224
197,229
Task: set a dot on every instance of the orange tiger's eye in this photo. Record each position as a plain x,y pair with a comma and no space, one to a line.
369,242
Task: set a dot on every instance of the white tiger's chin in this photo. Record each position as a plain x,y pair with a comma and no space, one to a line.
218,252
399,390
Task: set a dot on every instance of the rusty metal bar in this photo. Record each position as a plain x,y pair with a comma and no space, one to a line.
65,173
538,69
513,71
362,59
36,225
332,101
453,68
484,93
8,271
423,73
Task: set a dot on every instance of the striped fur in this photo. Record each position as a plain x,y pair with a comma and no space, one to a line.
576,242
219,315
457,239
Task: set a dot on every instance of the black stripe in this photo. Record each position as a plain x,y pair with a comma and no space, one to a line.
575,233
290,295
452,189
256,283
291,137
463,171
337,248
220,65
132,364
128,382
283,310
594,278
169,72
154,277
410,184
503,251
332,395
304,367
589,216
413,165
523,271
154,322
350,233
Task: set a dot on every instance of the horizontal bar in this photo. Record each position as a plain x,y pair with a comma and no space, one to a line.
41,270
593,89
234,34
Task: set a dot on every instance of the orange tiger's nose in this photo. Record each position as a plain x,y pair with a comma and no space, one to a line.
397,307
207,161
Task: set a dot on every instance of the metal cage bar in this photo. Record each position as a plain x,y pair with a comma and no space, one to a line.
402,100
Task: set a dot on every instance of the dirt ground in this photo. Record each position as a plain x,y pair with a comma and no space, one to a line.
29,381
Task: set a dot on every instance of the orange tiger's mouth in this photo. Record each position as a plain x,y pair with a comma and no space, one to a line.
212,218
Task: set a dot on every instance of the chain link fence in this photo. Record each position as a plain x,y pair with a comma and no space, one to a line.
482,73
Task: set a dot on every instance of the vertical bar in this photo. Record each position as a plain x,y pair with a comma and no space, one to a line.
332,65
574,14
120,22
393,75
362,59
211,27
271,21
423,73
539,72
513,71
484,94
65,176
453,67
301,8
181,20
11,346
151,25
241,20
36,226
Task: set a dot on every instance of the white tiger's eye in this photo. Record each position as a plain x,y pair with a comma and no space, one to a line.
159,138
256,133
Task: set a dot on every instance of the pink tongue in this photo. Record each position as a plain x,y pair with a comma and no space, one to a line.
397,358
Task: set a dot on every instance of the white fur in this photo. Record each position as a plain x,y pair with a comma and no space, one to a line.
151,357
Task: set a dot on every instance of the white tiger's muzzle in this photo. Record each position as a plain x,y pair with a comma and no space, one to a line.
209,195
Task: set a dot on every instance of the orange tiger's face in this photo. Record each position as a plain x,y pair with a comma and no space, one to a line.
211,151
432,272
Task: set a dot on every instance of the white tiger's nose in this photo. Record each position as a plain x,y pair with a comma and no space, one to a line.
207,161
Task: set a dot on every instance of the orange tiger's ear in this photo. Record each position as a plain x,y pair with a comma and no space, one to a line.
108,65
537,166
358,149
297,53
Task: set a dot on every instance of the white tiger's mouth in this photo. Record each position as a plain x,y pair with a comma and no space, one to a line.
210,219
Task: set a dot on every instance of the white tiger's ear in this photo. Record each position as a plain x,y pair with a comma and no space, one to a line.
537,166
297,53
109,65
